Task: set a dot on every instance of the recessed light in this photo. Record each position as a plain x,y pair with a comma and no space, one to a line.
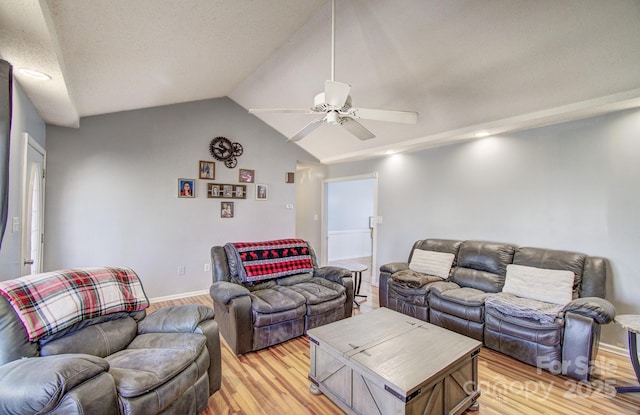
389,152
481,134
32,73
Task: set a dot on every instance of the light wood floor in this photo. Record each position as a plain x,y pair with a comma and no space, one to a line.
274,381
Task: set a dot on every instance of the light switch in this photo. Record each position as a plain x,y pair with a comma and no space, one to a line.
15,224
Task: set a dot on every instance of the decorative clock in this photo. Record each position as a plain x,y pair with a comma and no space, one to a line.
222,149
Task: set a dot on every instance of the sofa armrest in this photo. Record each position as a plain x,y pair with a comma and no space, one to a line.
394,267
331,273
224,291
340,276
175,319
39,384
599,309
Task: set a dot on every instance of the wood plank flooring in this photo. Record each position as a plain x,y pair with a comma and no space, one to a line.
274,381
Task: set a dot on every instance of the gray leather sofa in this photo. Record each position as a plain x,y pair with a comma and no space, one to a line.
166,362
470,300
280,306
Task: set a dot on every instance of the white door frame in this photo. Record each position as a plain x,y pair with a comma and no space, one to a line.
27,142
374,231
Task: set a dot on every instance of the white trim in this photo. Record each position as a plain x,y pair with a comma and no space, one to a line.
25,217
177,296
614,349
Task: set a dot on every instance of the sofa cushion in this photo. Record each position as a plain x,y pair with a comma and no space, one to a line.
465,296
319,290
409,294
412,279
195,342
100,339
524,328
547,285
294,279
431,262
466,303
139,370
275,305
258,261
276,299
490,257
520,307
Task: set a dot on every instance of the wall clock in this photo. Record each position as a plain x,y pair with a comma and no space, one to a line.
222,149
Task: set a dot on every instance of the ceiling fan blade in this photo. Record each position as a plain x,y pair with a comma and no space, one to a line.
355,128
406,117
280,110
308,129
336,93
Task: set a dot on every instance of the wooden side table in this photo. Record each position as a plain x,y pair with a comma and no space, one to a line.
631,323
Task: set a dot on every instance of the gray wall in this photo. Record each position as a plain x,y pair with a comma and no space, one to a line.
571,186
349,205
25,119
112,191
309,182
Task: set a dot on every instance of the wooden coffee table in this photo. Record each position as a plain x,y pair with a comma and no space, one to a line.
384,362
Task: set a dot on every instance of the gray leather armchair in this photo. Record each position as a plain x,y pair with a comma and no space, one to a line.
167,362
258,314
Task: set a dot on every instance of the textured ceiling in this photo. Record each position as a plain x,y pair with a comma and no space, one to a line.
463,65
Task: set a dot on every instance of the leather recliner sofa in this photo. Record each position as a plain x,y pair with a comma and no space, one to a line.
103,361
265,293
468,298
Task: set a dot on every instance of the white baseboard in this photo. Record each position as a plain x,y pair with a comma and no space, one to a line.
614,349
177,296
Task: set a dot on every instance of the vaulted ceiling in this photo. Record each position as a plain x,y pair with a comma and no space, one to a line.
463,65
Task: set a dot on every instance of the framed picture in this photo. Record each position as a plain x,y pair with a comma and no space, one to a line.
226,191
207,170
186,188
226,209
262,192
214,190
246,176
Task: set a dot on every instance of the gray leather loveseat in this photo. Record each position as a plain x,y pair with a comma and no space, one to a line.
267,292
79,341
543,307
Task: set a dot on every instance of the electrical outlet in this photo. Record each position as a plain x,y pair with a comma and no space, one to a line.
181,270
207,267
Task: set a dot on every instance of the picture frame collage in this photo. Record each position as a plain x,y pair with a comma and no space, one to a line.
207,171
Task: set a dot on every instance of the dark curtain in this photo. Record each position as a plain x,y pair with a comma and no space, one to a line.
6,79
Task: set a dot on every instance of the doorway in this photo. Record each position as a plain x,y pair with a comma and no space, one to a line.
33,176
349,223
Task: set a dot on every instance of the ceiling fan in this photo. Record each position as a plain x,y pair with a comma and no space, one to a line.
334,104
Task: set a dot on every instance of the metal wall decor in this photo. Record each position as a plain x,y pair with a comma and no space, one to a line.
222,149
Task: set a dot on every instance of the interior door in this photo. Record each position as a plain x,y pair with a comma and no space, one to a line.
32,206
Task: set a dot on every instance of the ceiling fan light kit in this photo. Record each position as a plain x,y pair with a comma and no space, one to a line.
334,104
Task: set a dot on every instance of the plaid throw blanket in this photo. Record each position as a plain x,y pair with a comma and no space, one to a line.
49,302
272,259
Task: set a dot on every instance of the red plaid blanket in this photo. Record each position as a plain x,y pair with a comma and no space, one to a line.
49,302
272,259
